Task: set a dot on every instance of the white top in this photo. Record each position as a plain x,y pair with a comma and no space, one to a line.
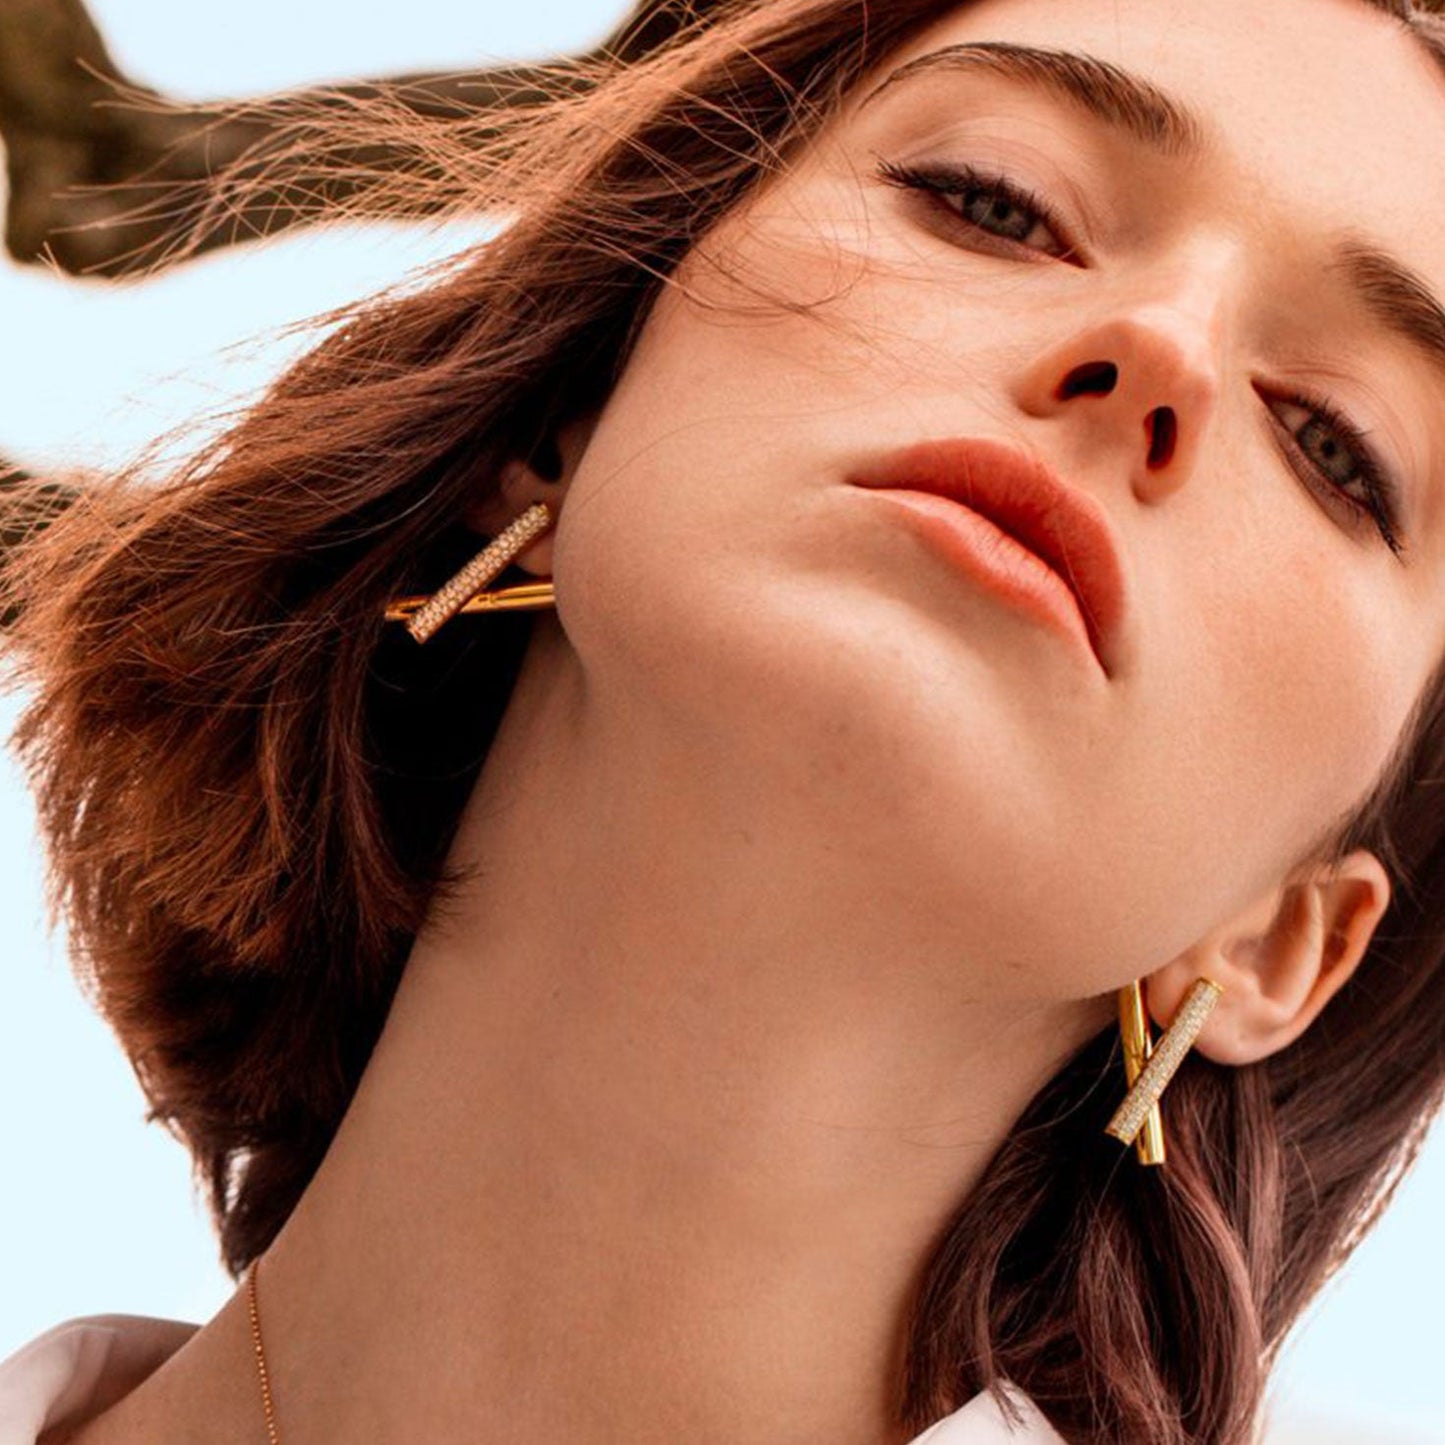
83,1366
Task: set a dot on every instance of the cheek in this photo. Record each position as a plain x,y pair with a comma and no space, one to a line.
658,553
696,504
1318,663
1278,700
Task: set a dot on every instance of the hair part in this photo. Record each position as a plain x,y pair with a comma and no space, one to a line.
248,786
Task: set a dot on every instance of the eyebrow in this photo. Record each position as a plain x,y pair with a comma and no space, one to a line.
1116,97
1398,298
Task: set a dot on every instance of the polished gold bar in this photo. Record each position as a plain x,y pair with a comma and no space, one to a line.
450,598
528,597
1162,1063
1134,1031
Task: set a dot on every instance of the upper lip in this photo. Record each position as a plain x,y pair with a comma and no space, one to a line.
1019,494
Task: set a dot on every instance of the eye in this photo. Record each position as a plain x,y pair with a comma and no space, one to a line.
1341,463
986,202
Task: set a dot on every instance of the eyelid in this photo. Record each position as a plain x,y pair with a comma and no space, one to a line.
1079,190
942,178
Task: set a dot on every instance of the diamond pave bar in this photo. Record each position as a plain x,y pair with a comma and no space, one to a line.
452,596
1168,1054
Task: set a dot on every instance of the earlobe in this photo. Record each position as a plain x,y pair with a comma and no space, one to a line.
1280,961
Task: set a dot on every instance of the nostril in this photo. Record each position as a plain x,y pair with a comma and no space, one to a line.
1163,427
1096,378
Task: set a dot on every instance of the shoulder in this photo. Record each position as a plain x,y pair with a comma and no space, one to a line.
79,1367
986,1420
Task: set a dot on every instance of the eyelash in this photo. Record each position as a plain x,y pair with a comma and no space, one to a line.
1383,494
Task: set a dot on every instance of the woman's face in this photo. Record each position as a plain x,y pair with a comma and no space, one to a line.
726,583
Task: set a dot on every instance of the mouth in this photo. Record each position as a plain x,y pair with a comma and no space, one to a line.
1002,516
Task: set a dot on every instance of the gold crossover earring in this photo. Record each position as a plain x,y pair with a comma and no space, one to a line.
1149,1066
463,593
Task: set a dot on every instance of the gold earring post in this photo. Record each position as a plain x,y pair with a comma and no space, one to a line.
1165,1059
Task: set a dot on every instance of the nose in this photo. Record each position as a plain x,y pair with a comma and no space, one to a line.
1140,384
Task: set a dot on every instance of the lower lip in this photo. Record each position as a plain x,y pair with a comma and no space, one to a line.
996,561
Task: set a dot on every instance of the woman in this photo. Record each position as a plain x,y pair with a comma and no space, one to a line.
740,941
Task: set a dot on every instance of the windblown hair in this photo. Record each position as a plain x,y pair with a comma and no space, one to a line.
248,784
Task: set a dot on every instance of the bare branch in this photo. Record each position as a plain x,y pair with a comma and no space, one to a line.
105,174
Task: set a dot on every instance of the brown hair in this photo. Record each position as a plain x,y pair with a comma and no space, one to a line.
248,785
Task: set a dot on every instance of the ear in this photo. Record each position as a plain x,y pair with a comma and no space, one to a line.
1280,961
544,476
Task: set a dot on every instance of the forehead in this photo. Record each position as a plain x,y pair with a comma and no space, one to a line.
1327,105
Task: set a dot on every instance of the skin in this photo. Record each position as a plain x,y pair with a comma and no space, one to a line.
800,862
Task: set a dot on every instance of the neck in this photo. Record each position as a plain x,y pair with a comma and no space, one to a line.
665,1122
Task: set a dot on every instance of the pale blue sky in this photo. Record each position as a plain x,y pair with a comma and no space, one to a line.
97,1212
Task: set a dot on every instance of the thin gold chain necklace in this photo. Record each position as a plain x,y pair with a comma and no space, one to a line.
260,1351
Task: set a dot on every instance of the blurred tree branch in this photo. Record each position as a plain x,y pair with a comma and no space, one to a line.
104,174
